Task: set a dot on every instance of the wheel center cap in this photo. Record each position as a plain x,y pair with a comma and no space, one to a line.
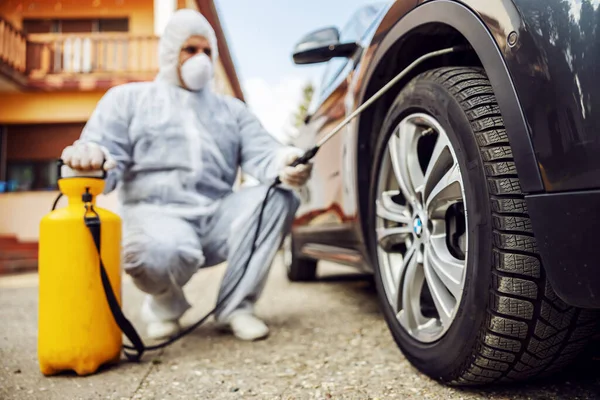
418,227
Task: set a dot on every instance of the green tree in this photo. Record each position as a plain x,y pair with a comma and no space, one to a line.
307,93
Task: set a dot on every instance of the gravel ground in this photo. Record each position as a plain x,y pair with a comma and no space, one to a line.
328,340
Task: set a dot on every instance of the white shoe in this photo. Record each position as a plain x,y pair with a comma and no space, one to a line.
162,329
161,317
246,326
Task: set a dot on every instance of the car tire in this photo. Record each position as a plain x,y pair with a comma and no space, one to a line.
298,269
509,325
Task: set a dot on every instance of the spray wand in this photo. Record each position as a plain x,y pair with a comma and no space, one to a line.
310,153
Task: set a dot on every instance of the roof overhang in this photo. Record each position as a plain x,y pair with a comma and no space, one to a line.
208,9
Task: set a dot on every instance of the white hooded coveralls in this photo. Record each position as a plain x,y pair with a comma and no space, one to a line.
177,155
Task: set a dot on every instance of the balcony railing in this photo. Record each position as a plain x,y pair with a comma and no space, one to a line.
13,45
76,60
93,54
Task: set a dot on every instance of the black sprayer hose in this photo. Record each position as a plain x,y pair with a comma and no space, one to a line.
56,201
94,225
233,289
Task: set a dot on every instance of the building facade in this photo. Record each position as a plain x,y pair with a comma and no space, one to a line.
57,59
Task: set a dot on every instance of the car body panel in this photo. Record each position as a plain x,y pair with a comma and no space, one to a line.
566,226
331,206
556,74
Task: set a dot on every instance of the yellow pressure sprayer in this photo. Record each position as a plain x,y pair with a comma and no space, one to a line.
76,329
80,317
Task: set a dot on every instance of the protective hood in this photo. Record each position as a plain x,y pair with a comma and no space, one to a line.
183,24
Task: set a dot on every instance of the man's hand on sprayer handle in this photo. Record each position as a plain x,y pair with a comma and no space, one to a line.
297,176
87,157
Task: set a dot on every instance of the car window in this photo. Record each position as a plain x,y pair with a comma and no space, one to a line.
353,31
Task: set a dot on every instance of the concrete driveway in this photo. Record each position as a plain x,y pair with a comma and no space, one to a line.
328,340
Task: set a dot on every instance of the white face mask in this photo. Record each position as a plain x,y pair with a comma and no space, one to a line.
197,72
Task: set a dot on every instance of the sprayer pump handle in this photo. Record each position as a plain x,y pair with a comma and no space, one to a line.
64,171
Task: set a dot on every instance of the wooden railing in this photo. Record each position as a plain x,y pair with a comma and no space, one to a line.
13,45
91,54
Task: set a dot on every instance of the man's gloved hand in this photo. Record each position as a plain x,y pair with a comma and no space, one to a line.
87,157
295,176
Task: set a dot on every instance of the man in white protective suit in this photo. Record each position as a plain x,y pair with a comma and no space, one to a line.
175,147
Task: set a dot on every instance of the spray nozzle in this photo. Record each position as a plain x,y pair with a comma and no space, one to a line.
306,157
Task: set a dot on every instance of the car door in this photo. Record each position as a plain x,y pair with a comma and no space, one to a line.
322,208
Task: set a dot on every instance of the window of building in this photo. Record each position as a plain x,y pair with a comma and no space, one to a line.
28,176
39,26
113,25
28,161
76,25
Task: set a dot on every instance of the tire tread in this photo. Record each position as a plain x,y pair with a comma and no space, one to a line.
529,331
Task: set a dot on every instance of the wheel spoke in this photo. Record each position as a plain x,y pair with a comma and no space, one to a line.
441,159
405,162
389,273
390,210
398,272
388,237
448,269
411,293
445,193
443,301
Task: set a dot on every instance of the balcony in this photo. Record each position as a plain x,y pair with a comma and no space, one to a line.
13,50
75,61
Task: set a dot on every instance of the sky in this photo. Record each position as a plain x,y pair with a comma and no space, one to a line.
261,36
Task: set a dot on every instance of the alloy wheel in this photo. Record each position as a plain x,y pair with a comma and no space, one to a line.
421,227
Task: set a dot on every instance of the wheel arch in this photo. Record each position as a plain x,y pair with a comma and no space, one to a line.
433,26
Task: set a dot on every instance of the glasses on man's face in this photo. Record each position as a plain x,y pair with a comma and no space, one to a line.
192,50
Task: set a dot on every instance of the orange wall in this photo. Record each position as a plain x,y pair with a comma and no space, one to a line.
47,107
21,213
139,12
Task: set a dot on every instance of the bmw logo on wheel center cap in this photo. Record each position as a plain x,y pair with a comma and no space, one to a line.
418,227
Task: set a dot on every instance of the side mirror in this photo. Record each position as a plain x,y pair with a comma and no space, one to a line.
321,46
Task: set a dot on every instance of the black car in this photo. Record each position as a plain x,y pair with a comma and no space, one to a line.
471,189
